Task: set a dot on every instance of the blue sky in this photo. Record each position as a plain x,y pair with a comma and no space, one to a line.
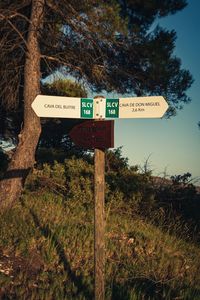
173,145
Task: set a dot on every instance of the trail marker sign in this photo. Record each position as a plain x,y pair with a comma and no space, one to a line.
57,107
142,107
89,108
112,108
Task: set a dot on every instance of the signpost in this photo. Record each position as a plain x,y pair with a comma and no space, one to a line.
63,107
98,135
136,107
99,108
57,107
142,107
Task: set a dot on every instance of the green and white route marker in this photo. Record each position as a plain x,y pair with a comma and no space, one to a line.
112,108
87,108
101,108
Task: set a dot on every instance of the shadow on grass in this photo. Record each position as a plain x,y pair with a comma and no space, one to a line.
77,280
149,290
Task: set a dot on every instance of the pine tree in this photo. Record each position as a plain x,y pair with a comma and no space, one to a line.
110,45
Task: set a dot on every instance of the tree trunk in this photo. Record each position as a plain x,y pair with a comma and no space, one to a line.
24,157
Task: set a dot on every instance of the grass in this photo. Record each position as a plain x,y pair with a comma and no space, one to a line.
54,239
46,248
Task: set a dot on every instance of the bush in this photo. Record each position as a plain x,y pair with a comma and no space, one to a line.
71,179
173,204
181,196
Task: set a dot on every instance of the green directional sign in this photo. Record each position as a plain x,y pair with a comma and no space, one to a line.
86,108
112,108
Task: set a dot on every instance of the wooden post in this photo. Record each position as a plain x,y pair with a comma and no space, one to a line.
99,221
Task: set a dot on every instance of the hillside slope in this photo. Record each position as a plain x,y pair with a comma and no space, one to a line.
46,244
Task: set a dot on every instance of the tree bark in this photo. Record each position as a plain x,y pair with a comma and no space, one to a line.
24,157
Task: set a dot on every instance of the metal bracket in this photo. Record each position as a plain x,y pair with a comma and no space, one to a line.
99,107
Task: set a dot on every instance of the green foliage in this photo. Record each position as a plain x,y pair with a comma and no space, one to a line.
72,179
115,161
80,181
16,231
179,198
135,188
108,45
48,237
141,260
64,87
49,155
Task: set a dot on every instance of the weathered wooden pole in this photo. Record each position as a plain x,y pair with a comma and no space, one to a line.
99,243
99,221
